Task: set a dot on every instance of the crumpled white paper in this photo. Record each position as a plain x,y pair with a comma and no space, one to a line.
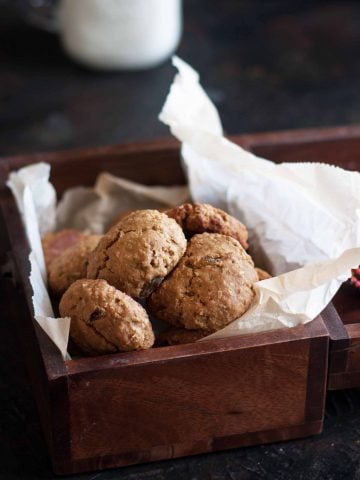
36,201
297,213
94,209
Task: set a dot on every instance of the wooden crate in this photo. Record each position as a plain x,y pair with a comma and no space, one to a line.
168,402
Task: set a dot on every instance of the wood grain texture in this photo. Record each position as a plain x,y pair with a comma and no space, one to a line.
354,350
188,400
187,397
339,342
343,323
154,162
335,145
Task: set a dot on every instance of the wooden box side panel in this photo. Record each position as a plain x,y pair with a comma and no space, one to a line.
344,328
148,163
196,404
345,361
335,145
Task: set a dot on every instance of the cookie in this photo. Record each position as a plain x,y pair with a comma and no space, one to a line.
211,286
71,264
138,252
179,336
105,320
54,244
262,274
201,217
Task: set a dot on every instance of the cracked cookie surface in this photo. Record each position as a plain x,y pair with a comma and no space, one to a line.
55,243
105,320
138,252
201,217
210,287
71,264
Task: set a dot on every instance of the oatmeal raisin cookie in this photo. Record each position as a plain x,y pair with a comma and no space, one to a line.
55,243
138,252
105,320
71,264
211,286
201,217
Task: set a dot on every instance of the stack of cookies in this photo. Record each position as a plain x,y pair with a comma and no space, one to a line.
187,267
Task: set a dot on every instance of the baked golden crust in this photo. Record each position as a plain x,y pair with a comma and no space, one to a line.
179,336
138,252
262,274
71,264
54,244
210,287
201,217
105,320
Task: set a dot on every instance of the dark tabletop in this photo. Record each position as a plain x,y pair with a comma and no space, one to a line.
267,65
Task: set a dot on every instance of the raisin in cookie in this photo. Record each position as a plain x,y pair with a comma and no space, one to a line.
105,320
71,264
211,286
54,244
138,252
201,217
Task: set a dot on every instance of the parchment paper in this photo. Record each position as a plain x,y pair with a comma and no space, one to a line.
299,215
36,201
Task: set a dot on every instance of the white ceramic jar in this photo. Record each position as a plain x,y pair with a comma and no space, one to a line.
120,34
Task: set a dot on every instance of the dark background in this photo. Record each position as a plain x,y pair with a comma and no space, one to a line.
268,65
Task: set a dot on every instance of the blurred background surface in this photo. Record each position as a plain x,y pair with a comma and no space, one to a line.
267,65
